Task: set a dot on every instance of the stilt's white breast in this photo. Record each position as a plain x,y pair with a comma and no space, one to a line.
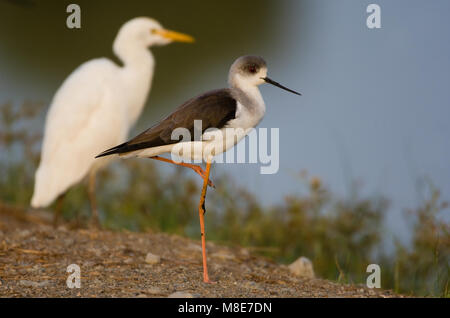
247,118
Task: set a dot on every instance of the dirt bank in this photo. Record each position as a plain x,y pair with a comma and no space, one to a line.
34,258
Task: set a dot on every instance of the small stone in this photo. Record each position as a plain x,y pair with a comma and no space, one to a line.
29,283
69,241
62,228
128,261
95,251
194,247
142,296
302,267
154,291
210,245
24,233
223,255
152,259
244,252
251,285
179,294
245,268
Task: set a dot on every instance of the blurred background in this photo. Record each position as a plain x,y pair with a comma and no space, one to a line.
364,153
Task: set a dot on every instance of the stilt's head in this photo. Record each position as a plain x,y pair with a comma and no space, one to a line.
251,71
248,70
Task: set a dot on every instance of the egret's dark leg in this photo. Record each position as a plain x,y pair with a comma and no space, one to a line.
196,168
58,209
95,220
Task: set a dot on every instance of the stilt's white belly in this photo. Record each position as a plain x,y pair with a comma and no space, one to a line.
213,143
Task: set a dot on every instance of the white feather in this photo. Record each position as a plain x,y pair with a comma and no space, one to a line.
93,110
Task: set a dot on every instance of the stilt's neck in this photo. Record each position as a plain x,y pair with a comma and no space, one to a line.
247,93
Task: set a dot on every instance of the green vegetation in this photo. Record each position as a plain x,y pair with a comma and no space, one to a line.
340,235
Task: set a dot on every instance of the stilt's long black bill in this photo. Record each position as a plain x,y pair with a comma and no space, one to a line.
268,80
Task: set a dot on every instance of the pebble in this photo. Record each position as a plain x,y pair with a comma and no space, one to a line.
154,291
245,268
29,283
251,285
194,247
222,255
244,252
179,294
23,234
210,245
62,228
302,267
95,251
152,259
69,241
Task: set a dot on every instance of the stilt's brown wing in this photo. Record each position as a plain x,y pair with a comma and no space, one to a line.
214,109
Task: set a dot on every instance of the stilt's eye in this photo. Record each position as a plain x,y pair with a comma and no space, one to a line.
252,69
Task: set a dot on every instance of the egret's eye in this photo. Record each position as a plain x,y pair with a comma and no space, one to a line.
152,31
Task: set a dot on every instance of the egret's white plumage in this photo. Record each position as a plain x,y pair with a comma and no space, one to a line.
95,108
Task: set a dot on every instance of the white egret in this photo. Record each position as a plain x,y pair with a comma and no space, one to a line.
94,109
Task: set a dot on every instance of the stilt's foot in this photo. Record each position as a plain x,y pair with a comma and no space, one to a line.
208,281
206,278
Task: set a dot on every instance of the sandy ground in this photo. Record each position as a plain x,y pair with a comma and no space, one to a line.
34,258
